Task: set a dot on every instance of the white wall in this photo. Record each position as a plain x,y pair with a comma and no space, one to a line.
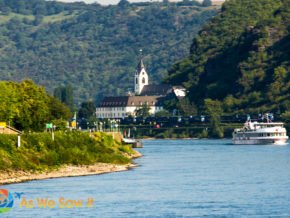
122,112
139,76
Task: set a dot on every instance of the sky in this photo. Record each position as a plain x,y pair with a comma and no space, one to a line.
105,2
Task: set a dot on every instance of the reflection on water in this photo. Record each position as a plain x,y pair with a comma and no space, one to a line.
176,178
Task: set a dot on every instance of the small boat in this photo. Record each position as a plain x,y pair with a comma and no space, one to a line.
260,133
134,142
129,140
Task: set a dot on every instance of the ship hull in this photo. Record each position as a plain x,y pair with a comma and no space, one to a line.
268,141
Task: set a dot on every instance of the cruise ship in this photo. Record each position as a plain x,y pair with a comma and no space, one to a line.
260,133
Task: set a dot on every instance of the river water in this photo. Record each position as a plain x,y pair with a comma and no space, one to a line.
176,178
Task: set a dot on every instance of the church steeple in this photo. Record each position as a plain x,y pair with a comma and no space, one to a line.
141,77
140,65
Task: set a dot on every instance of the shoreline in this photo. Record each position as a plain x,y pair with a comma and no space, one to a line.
11,177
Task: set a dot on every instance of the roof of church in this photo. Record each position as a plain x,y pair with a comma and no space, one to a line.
140,66
123,101
159,90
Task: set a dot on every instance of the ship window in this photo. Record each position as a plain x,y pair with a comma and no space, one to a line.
268,134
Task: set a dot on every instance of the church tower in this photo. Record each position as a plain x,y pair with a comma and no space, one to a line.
141,78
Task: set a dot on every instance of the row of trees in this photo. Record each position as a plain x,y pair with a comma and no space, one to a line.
28,107
35,7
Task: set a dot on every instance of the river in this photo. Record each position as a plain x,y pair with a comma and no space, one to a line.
175,178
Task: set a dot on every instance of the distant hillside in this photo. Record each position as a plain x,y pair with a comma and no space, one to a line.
242,58
93,47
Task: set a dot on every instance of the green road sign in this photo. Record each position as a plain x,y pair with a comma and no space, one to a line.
49,126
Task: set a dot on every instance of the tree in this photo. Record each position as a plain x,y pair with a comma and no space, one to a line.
57,93
27,106
163,113
65,95
206,3
68,96
87,110
34,110
165,2
143,111
10,101
188,108
278,86
286,116
214,110
58,110
6,11
123,3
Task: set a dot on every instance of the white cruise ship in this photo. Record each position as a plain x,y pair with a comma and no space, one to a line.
260,133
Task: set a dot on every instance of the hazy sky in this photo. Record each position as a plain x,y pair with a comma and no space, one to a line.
105,2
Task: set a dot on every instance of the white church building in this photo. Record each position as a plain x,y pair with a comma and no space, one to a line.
144,94
141,78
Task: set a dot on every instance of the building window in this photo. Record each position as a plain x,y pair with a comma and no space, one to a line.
136,80
143,80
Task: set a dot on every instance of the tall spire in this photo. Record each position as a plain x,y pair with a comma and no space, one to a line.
141,64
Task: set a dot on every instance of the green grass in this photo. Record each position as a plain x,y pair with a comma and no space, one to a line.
39,152
59,17
46,19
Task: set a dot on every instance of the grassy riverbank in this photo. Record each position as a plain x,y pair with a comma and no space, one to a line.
40,154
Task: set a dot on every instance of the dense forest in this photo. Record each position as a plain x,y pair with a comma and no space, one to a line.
27,106
94,48
240,60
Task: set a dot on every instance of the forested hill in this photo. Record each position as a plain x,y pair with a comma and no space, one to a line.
241,58
95,48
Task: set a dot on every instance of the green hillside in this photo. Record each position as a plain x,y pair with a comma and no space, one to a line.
92,47
241,58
